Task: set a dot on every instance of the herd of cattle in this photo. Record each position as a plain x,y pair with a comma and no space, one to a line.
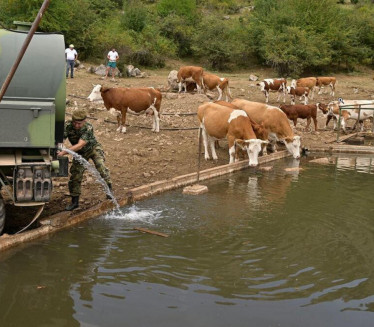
249,126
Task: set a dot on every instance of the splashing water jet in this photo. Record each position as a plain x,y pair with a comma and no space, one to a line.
97,176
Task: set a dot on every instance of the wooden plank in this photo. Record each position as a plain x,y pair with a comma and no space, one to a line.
144,230
341,139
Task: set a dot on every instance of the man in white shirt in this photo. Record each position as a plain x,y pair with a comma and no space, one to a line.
70,55
112,62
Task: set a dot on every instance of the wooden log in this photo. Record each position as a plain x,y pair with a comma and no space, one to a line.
144,230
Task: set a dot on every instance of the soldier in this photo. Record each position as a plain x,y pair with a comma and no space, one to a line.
81,136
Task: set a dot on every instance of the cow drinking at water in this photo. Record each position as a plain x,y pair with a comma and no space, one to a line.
219,122
275,121
121,100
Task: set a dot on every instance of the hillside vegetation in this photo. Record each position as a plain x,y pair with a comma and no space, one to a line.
292,36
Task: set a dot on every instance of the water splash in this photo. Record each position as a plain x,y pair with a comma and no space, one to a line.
135,214
98,179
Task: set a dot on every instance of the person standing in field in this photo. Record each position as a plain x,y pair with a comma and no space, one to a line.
71,56
112,62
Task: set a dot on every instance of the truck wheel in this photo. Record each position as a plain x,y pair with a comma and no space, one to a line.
2,214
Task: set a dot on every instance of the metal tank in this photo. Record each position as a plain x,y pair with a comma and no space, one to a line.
32,114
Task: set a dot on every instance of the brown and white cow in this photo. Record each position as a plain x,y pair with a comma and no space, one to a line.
302,111
326,81
298,91
212,82
350,110
277,85
275,121
309,82
219,122
190,73
121,100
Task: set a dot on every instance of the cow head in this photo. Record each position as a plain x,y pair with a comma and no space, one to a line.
293,83
293,146
262,86
95,93
253,147
322,107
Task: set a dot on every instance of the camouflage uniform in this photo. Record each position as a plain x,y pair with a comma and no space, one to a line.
92,150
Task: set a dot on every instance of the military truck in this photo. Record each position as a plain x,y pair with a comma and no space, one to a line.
32,114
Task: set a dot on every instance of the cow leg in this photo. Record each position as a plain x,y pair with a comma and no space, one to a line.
220,93
205,141
332,89
320,90
212,148
292,99
312,90
295,122
266,96
315,123
123,121
306,99
232,152
284,95
308,121
198,88
156,120
180,87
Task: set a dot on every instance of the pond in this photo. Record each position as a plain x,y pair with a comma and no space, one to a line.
261,248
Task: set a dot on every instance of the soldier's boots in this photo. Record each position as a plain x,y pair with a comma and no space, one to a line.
74,203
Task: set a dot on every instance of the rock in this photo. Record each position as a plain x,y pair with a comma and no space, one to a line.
226,17
172,81
137,72
77,63
253,77
147,175
129,70
91,70
142,75
100,70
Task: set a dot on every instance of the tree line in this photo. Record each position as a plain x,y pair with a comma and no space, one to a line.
292,36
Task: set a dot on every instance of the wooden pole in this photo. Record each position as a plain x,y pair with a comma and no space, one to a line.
198,156
144,230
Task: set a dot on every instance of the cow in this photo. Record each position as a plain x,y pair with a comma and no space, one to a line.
309,82
277,85
218,122
326,81
191,73
212,82
260,131
118,101
350,112
298,91
301,111
275,121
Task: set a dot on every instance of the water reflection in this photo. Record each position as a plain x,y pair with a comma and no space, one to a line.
259,243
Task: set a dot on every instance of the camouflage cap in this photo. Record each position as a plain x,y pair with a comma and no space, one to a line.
79,115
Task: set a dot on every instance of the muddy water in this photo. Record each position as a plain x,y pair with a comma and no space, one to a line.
271,248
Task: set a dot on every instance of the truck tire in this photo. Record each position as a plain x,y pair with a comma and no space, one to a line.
2,215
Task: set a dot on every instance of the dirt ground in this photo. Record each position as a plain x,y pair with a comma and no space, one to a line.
141,156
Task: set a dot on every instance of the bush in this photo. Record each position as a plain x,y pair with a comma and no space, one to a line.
134,18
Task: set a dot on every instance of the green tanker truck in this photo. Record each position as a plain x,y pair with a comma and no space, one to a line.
32,114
